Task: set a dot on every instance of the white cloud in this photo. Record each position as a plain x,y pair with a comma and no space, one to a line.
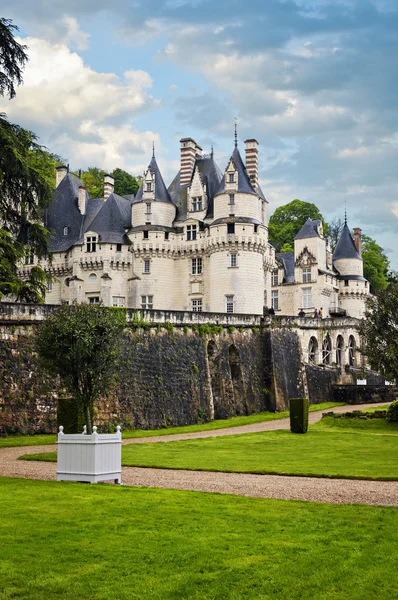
74,36
81,114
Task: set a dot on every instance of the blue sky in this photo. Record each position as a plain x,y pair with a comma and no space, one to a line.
314,81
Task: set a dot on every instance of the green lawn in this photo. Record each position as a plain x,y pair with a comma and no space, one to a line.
41,440
351,453
66,540
359,425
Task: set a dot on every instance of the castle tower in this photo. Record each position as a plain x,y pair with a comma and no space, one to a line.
239,253
353,287
152,235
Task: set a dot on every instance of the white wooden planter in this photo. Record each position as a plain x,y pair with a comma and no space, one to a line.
89,458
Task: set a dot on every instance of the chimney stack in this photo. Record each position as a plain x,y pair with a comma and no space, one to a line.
251,147
189,149
81,201
109,185
60,173
358,240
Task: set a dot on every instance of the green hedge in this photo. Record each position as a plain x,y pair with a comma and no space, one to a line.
298,415
70,415
392,411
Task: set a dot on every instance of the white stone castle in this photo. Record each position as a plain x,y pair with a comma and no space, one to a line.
199,245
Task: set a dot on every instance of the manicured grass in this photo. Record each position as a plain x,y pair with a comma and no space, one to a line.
355,424
41,440
319,453
104,542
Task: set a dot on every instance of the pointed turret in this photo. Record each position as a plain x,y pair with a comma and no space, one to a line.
345,248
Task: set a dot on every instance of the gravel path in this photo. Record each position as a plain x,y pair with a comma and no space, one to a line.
339,491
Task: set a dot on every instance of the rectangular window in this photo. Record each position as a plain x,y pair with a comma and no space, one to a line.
118,301
29,258
49,286
232,199
346,282
232,259
230,227
274,277
66,230
93,300
230,304
191,232
256,229
306,274
197,266
307,297
196,204
147,302
197,305
148,209
118,247
145,235
275,300
147,265
91,243
166,235
231,177
148,187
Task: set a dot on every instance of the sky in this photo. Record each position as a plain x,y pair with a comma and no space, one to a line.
314,81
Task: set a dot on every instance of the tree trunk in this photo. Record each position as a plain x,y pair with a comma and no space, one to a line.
88,418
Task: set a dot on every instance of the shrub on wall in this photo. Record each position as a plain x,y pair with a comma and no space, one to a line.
298,415
392,412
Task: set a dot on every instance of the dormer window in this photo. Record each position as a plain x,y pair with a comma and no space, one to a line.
231,177
191,232
91,243
196,204
66,230
149,187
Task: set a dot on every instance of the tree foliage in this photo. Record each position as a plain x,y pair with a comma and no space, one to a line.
335,227
379,333
12,58
81,344
287,221
125,184
375,264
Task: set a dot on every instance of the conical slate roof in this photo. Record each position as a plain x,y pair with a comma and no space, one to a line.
244,184
161,193
345,247
63,212
308,230
111,220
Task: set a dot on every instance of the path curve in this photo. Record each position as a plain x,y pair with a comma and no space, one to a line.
339,491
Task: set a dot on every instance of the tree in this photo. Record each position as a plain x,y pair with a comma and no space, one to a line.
125,184
93,181
379,333
287,221
12,58
81,343
375,264
335,227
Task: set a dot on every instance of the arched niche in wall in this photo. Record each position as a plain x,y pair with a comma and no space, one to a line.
326,350
339,350
352,351
313,351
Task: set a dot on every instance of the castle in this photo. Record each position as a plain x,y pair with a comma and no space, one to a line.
199,245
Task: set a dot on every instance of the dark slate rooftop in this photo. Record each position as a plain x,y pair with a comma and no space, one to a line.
308,230
244,184
63,212
236,220
161,193
287,260
211,177
345,247
112,220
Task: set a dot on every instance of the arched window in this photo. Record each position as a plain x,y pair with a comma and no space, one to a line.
339,350
92,277
313,351
351,351
326,350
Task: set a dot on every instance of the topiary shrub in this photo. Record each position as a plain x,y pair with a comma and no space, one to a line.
392,411
298,408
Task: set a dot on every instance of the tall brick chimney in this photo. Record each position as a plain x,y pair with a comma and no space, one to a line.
189,149
358,240
109,185
251,148
81,201
60,173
